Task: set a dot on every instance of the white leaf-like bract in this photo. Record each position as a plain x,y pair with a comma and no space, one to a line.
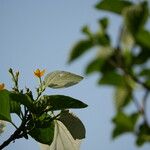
62,139
2,126
61,79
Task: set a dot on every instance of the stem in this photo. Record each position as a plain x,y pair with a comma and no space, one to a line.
144,106
19,133
139,108
14,125
16,135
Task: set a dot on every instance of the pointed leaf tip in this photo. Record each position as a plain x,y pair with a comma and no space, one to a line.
61,79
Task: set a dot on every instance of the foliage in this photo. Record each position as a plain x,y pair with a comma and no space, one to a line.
125,66
41,116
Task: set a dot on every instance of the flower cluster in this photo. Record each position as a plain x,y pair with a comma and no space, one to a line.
38,73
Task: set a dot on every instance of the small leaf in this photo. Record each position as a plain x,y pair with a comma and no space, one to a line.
59,102
80,48
103,23
122,97
4,106
86,31
94,66
101,60
62,139
115,6
124,123
143,135
23,99
43,135
143,38
112,78
145,72
127,40
101,39
142,57
73,124
61,79
136,17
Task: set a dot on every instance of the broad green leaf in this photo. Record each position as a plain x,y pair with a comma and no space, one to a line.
15,107
61,79
4,106
143,135
143,38
43,135
80,48
22,99
136,16
115,6
58,102
123,96
112,78
73,124
124,123
62,139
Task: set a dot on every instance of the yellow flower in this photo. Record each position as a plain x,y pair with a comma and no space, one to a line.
2,85
39,73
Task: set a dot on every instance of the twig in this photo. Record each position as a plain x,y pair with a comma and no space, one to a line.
144,106
19,133
16,135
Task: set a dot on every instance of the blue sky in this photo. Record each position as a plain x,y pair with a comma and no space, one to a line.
39,34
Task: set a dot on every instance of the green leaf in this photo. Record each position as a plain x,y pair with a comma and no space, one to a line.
101,39
124,123
61,79
115,6
86,31
73,124
143,135
23,99
145,72
15,107
80,48
143,38
142,57
127,40
4,106
62,139
58,102
103,23
112,78
43,135
123,96
101,60
94,66
136,17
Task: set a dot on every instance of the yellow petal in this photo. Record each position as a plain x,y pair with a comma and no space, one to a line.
38,73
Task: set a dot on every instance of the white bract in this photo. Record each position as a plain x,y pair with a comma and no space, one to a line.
61,79
2,126
62,139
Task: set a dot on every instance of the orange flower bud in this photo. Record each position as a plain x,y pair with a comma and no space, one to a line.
38,73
